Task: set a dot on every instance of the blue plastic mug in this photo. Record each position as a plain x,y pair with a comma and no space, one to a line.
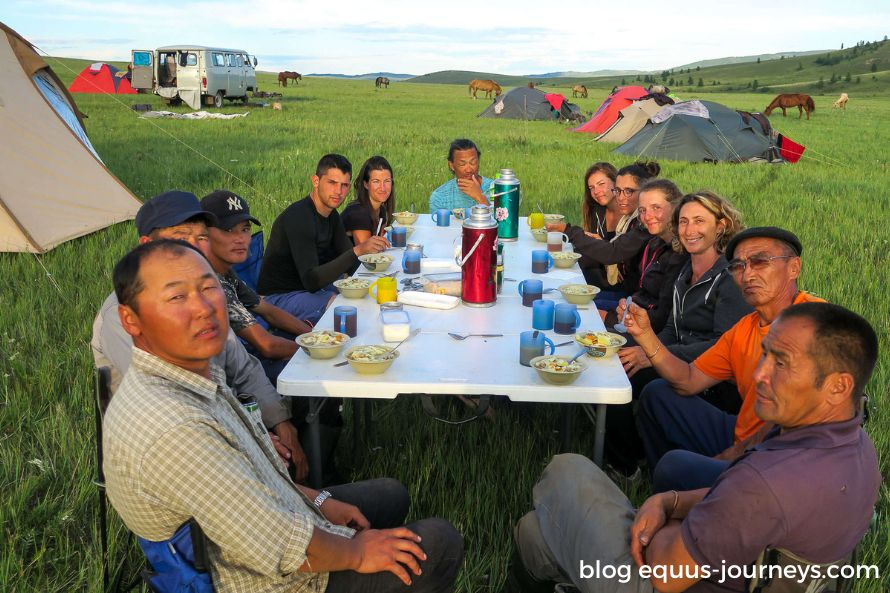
566,318
398,236
541,261
346,320
530,291
531,345
542,314
411,262
442,217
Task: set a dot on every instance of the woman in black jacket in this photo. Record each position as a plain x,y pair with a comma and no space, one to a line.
705,303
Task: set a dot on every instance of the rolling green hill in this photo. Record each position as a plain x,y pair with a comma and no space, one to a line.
860,70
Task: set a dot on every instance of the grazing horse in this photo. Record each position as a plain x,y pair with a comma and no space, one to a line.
802,102
579,90
283,76
841,102
488,86
381,81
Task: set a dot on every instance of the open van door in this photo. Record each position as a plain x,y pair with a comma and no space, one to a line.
143,69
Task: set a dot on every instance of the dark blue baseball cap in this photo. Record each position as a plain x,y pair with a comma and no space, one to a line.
170,209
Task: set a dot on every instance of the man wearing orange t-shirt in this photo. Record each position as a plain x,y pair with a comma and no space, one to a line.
702,439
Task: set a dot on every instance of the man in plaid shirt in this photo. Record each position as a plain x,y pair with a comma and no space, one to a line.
200,453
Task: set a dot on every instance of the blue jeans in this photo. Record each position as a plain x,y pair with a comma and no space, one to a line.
669,421
302,304
684,470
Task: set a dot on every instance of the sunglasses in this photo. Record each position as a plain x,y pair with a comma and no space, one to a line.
756,262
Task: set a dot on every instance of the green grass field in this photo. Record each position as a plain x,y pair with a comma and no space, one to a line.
480,475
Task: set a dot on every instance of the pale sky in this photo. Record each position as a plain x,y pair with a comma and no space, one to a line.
417,37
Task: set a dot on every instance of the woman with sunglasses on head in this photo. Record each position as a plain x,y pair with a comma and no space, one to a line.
375,198
706,302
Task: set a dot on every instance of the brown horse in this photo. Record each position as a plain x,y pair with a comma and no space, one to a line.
381,81
488,86
283,76
802,102
579,90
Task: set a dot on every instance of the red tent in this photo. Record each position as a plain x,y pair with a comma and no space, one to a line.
608,112
100,78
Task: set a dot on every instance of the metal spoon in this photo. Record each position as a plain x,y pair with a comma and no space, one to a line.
413,333
620,327
564,343
460,337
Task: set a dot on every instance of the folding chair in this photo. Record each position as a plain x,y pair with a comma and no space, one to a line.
249,269
102,390
189,540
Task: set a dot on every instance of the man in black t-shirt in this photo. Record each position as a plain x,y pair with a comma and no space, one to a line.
308,248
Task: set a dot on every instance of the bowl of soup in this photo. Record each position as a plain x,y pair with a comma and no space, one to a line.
322,344
405,217
600,344
578,294
564,259
353,288
556,369
376,262
371,360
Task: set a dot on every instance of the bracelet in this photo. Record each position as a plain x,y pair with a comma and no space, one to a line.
654,354
319,500
675,503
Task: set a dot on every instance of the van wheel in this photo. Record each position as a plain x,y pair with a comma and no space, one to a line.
218,99
244,100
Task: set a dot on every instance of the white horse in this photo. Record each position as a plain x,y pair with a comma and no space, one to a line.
841,102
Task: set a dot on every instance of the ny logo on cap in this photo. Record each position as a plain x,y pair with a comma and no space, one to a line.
234,203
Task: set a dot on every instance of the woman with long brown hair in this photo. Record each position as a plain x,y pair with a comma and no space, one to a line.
375,198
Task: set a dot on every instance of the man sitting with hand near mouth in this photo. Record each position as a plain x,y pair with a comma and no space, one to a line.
467,188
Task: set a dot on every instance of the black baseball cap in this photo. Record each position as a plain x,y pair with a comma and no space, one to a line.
170,209
228,207
768,232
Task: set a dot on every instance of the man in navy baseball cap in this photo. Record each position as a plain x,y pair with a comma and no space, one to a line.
170,209
228,207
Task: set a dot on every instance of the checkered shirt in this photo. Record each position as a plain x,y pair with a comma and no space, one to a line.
178,446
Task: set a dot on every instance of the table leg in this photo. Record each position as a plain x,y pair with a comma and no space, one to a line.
312,421
599,434
369,423
356,427
568,414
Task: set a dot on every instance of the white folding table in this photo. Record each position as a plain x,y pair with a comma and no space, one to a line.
433,363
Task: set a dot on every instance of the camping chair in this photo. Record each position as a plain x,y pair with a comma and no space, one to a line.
249,269
102,383
189,540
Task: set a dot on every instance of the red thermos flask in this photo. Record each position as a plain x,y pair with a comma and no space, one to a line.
478,258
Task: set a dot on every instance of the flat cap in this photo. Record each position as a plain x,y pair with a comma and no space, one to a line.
768,232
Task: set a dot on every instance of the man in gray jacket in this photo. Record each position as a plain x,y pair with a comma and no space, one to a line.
178,215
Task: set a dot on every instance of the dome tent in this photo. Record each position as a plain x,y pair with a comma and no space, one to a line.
525,103
704,131
608,112
101,78
53,187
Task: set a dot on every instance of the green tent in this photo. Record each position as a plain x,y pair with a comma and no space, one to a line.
525,103
700,131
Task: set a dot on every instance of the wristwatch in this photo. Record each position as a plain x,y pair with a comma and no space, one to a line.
322,496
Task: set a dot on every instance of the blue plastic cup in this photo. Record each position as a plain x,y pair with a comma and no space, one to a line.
411,262
531,345
542,314
541,261
530,291
442,217
346,320
398,236
566,318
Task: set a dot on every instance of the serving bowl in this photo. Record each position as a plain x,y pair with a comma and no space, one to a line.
322,344
565,259
371,360
579,294
600,344
553,369
353,288
540,234
406,217
376,262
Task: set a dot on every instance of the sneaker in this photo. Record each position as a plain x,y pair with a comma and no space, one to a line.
624,479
